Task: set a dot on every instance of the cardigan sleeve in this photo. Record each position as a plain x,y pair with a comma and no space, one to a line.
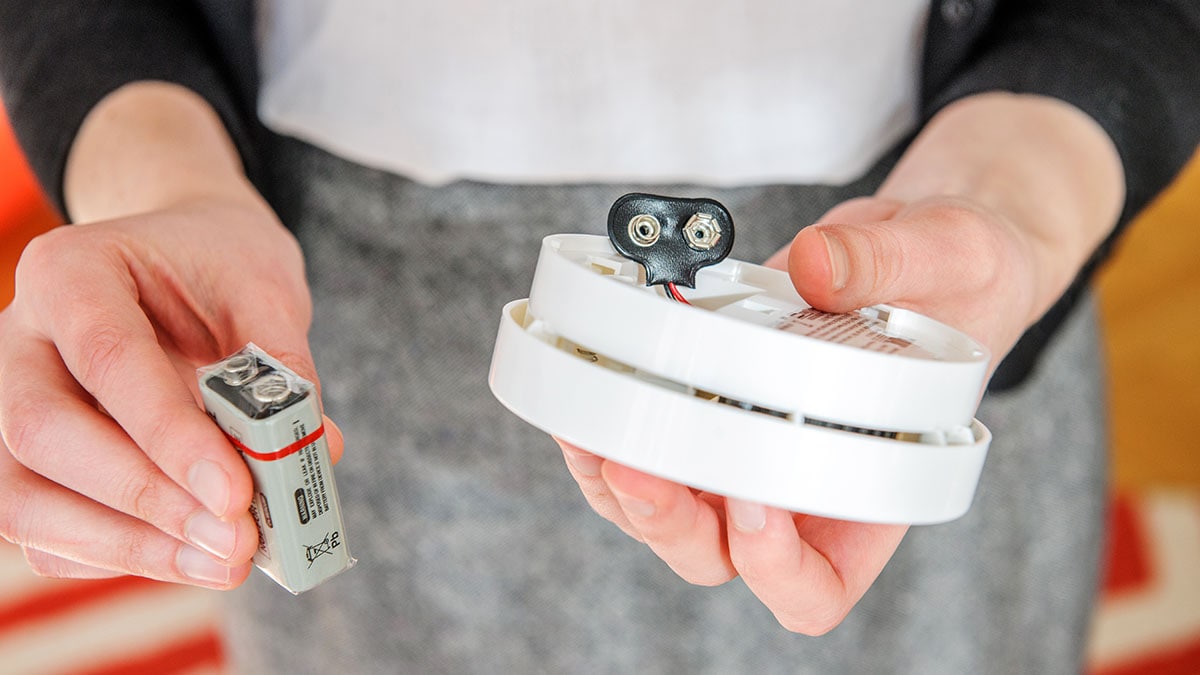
1134,67
58,59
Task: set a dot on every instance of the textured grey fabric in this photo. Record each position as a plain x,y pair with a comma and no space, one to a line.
477,551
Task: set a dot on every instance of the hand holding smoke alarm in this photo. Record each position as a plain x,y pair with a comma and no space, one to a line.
749,392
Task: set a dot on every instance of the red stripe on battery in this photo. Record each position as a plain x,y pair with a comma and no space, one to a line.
282,452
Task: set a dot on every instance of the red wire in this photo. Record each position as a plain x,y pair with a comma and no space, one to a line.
676,294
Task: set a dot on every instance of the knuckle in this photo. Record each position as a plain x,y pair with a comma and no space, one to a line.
142,495
605,505
102,346
886,259
975,238
968,222
680,537
741,562
23,426
970,225
133,551
46,256
596,492
44,252
814,624
158,435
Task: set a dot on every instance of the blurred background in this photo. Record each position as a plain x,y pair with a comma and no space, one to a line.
1148,620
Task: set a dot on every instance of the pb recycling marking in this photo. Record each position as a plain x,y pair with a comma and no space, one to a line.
323,547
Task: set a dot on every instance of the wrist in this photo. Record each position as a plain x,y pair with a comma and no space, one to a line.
149,146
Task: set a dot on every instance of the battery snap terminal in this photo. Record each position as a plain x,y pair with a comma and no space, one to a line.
671,237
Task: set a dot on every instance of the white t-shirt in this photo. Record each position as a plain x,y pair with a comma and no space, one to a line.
720,93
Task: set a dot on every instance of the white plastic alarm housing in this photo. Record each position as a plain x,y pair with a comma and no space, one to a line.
748,392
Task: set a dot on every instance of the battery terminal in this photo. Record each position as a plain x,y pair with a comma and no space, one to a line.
239,369
644,229
271,388
702,231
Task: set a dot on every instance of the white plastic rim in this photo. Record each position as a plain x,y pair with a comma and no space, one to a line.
727,450
585,291
796,422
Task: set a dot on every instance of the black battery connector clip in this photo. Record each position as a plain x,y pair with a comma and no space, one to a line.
671,237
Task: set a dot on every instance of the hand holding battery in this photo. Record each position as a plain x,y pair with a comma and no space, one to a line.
110,466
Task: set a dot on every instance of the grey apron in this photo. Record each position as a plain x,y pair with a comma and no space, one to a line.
478,554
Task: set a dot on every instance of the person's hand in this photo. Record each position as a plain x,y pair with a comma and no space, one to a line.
109,465
1024,188
946,258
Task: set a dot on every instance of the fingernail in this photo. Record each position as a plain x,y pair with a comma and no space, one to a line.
211,534
210,485
587,465
634,506
198,565
747,516
839,262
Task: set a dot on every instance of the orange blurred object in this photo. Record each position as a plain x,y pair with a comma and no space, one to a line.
24,212
1149,295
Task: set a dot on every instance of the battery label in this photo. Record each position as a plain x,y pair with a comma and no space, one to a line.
315,493
853,330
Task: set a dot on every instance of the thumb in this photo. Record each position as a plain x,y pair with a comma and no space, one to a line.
337,442
839,268
913,259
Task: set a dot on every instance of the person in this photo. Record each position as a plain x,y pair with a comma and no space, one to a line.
970,160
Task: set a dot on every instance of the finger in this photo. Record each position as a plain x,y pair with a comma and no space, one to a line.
585,469
921,254
681,528
111,349
49,565
281,330
335,438
49,425
808,573
36,513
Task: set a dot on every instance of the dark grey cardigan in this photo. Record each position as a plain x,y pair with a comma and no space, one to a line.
1133,66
